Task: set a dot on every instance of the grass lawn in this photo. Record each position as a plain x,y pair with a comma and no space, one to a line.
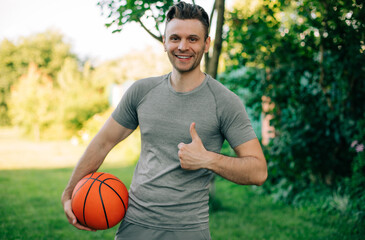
30,208
245,214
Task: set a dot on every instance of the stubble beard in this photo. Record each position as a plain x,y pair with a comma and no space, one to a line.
174,61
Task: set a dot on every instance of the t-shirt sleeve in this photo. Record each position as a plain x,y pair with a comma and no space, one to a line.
126,112
235,124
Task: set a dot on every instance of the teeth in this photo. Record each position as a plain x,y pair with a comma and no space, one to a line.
183,57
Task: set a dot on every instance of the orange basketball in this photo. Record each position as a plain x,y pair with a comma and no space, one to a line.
99,200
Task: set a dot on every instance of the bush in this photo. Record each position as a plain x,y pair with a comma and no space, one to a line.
307,58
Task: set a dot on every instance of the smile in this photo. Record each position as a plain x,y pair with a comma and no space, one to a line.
183,57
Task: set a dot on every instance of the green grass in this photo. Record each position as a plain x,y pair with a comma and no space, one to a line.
245,214
30,208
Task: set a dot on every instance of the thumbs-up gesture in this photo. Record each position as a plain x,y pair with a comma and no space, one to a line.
193,156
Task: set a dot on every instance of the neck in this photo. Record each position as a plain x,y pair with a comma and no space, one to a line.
187,81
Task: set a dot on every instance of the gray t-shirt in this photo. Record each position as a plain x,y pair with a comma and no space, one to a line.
162,194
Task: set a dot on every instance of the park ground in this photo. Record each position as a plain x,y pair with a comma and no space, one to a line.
33,175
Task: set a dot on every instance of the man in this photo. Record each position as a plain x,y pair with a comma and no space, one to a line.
184,117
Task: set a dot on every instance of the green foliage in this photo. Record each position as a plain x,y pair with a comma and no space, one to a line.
82,97
126,152
32,103
50,94
150,15
46,50
55,109
45,83
132,66
356,183
122,12
306,56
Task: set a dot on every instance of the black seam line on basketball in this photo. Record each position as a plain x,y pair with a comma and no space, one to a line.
87,194
102,203
83,185
103,179
121,199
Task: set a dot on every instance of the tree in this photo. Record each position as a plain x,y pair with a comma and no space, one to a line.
129,67
47,51
307,58
55,96
150,15
33,102
80,97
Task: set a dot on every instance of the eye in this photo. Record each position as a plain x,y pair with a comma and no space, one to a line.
174,38
193,39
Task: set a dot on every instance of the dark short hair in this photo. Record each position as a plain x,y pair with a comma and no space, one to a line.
183,10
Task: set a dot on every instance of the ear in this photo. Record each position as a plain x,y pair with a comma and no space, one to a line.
207,44
164,42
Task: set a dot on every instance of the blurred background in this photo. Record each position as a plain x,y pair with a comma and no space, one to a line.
297,65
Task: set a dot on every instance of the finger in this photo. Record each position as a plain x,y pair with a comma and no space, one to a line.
73,220
68,211
82,227
193,133
180,145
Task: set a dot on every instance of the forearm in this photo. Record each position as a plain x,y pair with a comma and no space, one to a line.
108,136
246,170
249,168
89,162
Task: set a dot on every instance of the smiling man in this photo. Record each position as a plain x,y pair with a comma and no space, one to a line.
184,118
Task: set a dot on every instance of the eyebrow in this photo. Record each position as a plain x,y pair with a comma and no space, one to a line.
190,36
193,35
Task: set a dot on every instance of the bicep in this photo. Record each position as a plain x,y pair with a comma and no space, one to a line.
254,161
250,148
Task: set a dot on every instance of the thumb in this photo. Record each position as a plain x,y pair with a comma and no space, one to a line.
193,133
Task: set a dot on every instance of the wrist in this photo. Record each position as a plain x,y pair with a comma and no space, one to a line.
66,195
212,158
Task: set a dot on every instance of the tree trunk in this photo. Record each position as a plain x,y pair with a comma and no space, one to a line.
213,61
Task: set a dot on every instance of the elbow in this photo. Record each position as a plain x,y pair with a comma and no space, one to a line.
258,179
262,173
261,178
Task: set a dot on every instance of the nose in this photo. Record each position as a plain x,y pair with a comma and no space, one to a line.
183,45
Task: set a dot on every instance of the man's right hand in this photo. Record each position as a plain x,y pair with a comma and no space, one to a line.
108,136
72,218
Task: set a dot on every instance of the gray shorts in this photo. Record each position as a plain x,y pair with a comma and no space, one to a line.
130,231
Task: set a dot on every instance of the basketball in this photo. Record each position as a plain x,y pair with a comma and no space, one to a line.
99,200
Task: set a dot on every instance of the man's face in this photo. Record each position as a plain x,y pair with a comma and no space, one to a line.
185,44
